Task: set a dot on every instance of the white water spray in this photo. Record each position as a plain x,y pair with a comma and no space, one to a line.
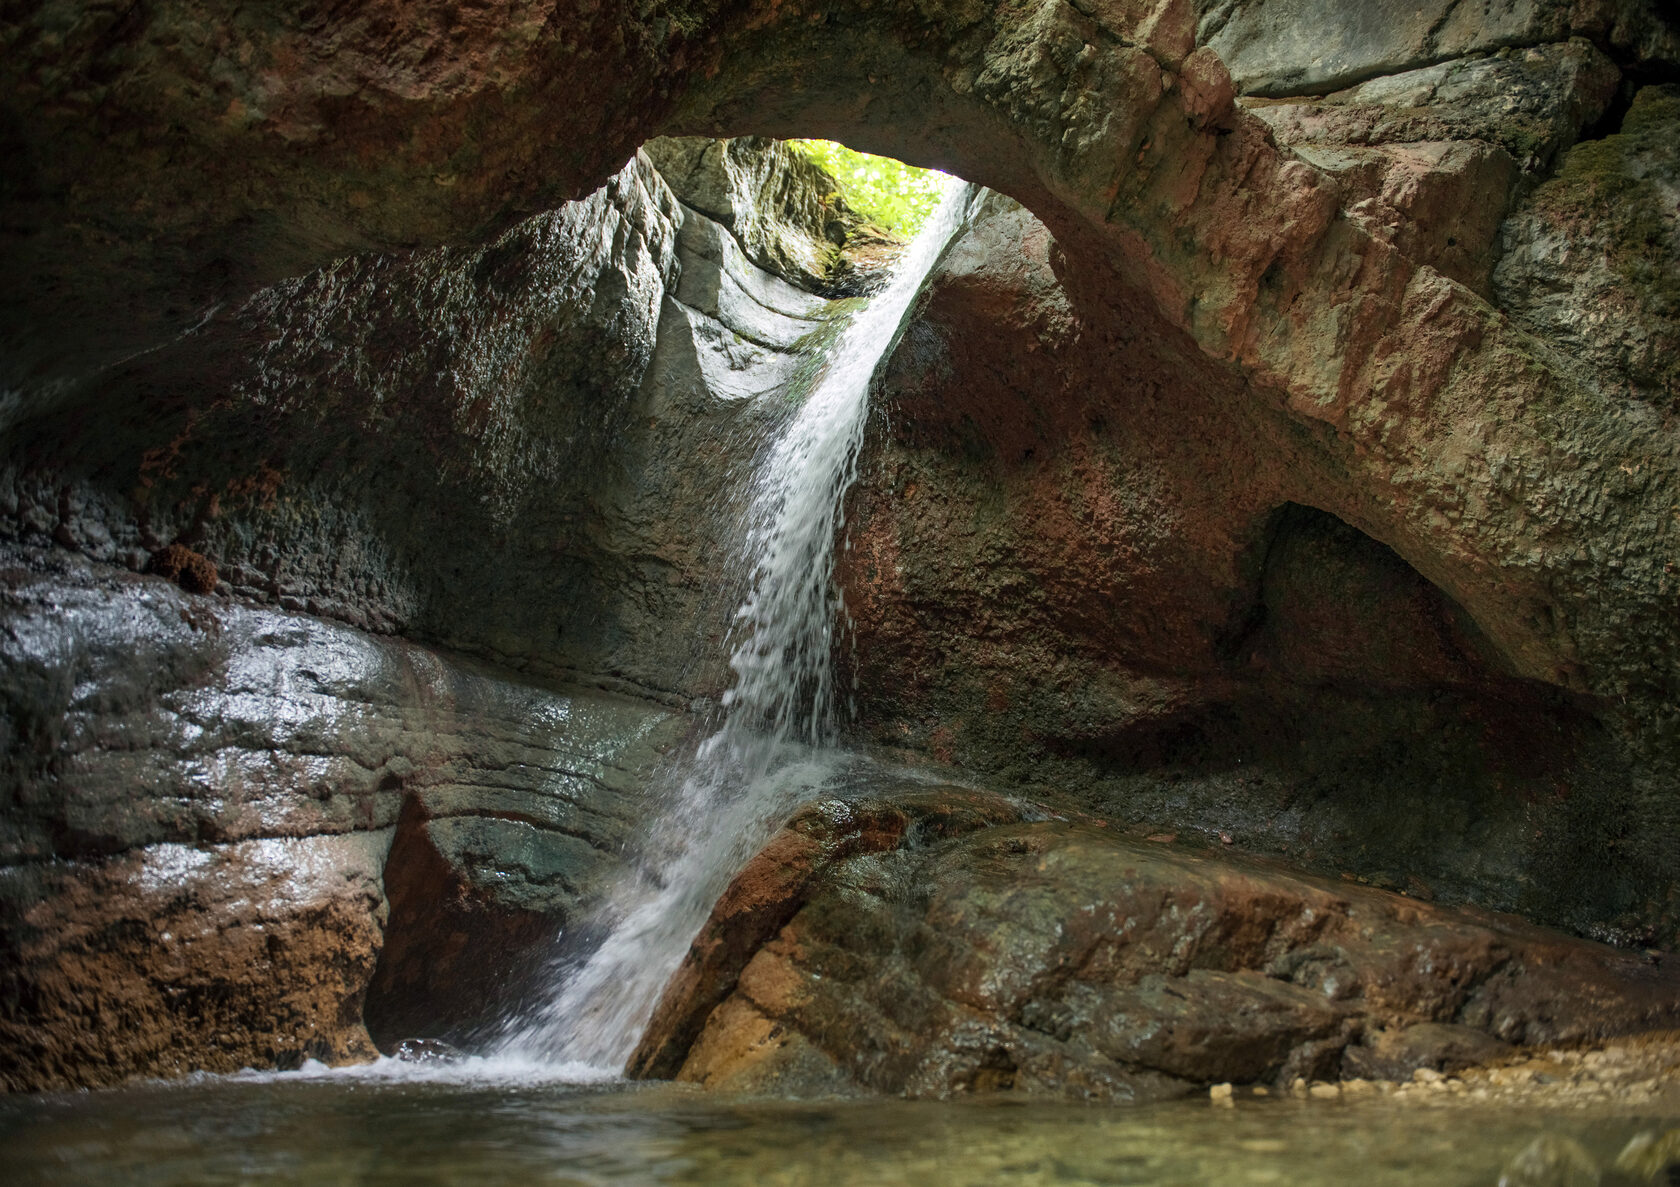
765,760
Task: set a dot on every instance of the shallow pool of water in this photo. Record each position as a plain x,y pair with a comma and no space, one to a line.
337,1128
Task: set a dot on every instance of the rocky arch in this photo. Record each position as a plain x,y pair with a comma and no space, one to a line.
1267,296
1459,439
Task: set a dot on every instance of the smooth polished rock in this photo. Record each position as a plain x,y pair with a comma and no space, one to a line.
1284,47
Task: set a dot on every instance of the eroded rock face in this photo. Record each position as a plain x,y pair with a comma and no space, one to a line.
1427,158
1083,558
786,213
492,447
1220,495
949,941
198,861
1316,287
174,958
1589,258
527,450
1305,47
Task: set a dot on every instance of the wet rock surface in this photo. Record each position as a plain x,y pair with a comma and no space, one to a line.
525,450
949,941
173,958
1081,558
207,862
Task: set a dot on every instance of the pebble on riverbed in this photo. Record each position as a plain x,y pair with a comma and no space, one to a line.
1551,1161
1631,1072
1639,1072
1649,1160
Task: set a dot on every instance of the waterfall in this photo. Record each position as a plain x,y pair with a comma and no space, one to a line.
768,755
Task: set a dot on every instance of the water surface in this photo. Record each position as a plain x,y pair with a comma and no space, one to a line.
369,1129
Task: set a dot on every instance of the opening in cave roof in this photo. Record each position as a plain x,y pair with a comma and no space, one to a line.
888,192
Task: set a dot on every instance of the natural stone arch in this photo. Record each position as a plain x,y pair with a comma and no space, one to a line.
1395,398
402,125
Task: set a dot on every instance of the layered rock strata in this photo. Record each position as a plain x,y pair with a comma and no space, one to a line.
197,869
244,824
948,941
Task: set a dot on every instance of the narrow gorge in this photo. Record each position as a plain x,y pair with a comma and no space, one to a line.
512,578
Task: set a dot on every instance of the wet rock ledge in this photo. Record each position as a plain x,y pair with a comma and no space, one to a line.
935,942
242,837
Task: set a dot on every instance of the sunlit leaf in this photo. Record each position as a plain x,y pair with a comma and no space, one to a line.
896,196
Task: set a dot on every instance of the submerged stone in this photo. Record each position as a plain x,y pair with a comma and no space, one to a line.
1551,1161
1651,1157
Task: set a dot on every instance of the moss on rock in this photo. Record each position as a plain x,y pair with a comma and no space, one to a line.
1592,261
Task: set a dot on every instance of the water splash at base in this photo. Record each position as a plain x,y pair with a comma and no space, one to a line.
772,752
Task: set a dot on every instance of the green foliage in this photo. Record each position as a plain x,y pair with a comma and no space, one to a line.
896,196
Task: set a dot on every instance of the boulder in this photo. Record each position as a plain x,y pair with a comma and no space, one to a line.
936,942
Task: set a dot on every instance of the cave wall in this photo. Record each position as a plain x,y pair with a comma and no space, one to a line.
207,799
245,821
1300,260
1301,469
1083,560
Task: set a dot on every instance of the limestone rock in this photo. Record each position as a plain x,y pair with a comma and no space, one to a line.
1651,1157
1531,103
171,958
1551,1161
1284,47
938,942
1589,260
197,868
1081,556
1429,158
784,210
480,447
283,293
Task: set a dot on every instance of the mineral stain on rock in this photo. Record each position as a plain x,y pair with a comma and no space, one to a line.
941,942
192,571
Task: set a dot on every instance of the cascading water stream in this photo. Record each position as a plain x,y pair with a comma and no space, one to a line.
767,757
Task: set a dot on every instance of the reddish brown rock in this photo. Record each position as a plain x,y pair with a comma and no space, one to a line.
196,845
174,958
1083,556
1052,957
192,571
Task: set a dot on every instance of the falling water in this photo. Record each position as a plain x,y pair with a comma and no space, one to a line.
767,757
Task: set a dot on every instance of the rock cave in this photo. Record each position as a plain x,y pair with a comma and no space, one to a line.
1237,671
